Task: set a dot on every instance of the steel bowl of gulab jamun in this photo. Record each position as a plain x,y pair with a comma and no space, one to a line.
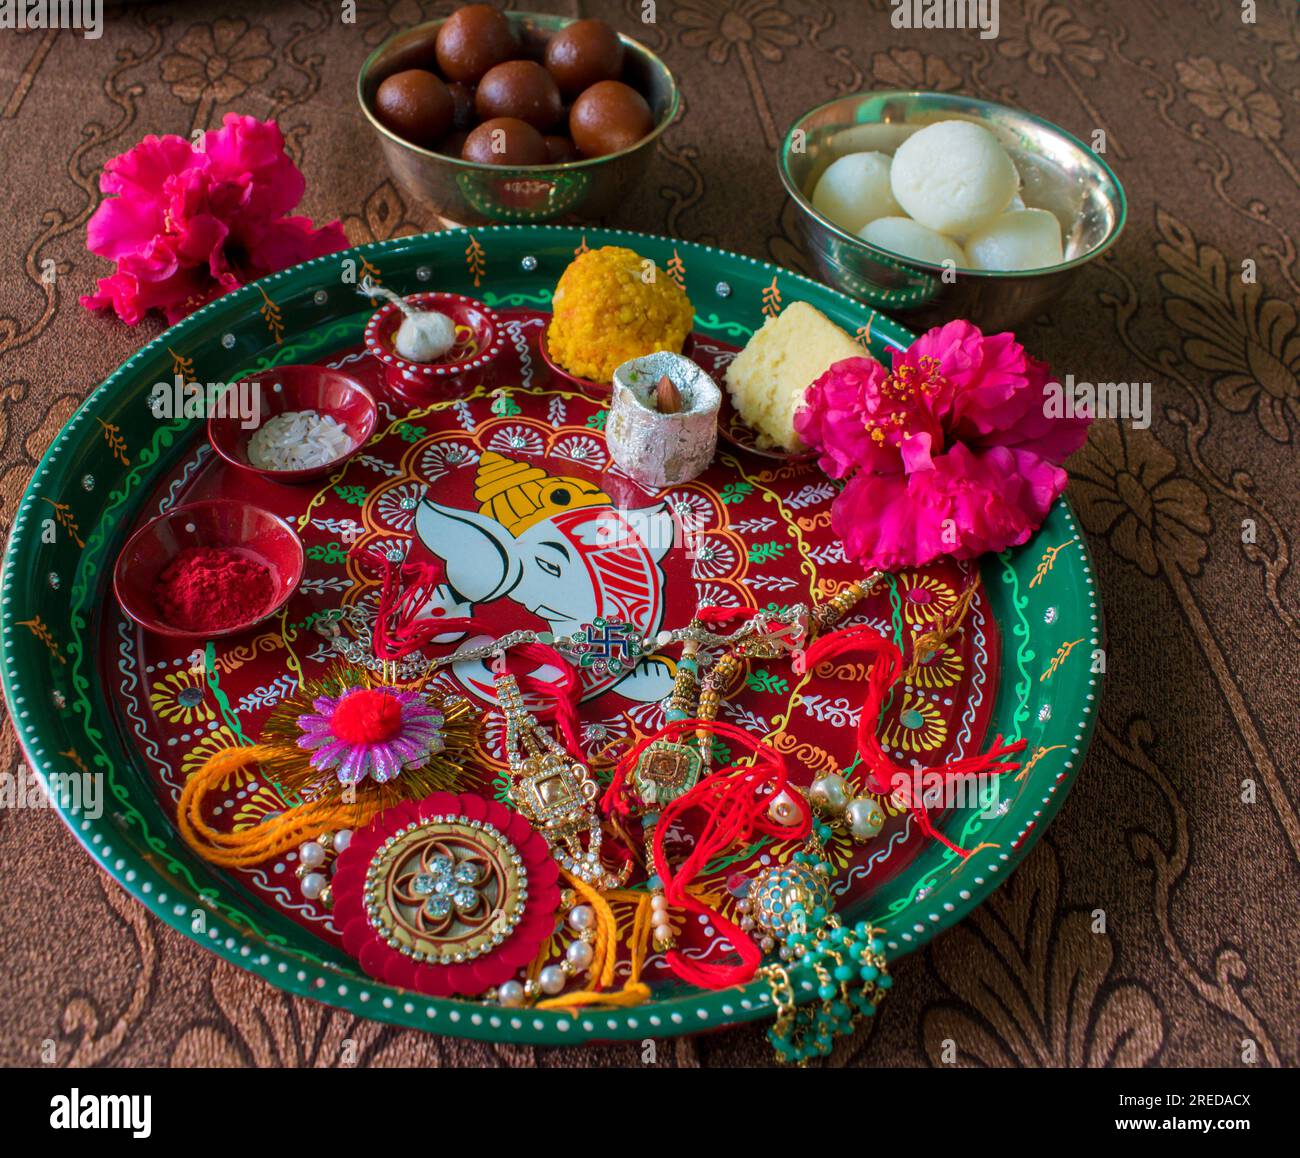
513,116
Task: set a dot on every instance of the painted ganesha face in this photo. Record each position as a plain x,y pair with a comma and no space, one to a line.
559,547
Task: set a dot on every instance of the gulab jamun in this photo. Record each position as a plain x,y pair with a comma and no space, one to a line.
608,117
462,106
522,89
560,150
416,105
471,40
453,144
582,54
505,141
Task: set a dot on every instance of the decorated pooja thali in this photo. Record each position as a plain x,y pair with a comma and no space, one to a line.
490,496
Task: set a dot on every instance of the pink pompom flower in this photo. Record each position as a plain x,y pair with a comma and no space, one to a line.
952,452
188,224
375,732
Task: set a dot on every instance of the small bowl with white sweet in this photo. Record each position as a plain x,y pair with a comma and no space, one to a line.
432,342
309,421
933,206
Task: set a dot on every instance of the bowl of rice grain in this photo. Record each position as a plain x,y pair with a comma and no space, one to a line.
307,422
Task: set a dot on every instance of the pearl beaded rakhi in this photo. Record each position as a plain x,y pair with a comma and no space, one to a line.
552,979
314,864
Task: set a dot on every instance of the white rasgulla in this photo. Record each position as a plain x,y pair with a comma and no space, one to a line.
1021,239
424,336
912,239
854,190
954,177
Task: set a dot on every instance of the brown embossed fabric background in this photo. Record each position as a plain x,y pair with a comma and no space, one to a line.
1192,521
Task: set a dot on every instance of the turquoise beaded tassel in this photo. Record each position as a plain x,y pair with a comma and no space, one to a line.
791,904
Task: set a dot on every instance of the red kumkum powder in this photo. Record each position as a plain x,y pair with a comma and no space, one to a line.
211,589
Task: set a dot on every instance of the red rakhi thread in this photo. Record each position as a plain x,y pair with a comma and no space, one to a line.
724,616
406,589
883,774
735,801
564,691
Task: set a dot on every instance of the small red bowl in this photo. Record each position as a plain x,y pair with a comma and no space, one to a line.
590,383
480,337
231,523
287,388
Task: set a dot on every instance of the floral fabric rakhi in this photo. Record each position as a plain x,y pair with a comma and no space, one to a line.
373,732
452,894
349,746
352,729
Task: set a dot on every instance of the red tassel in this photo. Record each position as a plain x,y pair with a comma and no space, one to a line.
406,590
734,801
883,774
564,691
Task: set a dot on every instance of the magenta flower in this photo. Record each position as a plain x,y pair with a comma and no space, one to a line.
950,453
187,225
373,732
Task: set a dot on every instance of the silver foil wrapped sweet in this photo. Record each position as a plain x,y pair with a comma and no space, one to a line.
657,449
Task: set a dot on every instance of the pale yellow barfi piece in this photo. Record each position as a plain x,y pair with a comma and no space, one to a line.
785,356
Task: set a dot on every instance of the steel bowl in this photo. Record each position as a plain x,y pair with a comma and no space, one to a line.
469,193
1057,173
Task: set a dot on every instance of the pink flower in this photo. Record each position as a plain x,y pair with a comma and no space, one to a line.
187,225
967,503
950,453
998,391
830,416
373,732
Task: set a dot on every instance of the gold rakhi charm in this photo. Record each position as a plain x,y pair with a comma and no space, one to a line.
554,792
665,771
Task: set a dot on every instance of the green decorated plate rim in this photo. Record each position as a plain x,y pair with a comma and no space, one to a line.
944,905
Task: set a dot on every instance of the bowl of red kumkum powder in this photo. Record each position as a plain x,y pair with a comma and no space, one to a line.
293,424
209,569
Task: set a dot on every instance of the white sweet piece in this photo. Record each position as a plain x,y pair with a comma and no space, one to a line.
854,189
909,238
953,176
1021,239
767,379
424,336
